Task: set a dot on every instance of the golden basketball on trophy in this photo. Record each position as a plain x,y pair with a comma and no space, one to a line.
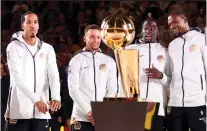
118,31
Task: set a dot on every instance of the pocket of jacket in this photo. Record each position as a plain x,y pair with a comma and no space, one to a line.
201,78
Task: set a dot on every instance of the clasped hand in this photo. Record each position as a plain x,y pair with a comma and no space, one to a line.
153,73
54,105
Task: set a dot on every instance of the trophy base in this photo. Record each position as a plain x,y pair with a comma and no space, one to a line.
134,98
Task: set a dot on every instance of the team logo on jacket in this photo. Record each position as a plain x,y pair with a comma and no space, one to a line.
160,58
43,56
102,67
192,48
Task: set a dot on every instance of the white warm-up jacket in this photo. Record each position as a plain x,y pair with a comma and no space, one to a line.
91,77
187,70
31,76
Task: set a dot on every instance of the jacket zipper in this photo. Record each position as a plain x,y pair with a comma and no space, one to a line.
148,67
34,82
201,82
182,73
94,77
33,56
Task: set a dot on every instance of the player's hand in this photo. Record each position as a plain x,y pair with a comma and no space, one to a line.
90,118
153,73
41,106
54,105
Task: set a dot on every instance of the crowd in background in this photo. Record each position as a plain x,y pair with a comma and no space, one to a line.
62,25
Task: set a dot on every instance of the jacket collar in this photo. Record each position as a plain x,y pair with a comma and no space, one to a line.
189,33
143,44
84,49
19,36
88,53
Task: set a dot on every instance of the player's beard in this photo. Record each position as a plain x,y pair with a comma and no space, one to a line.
147,40
95,48
178,32
33,35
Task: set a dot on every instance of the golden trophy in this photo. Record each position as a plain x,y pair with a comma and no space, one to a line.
118,31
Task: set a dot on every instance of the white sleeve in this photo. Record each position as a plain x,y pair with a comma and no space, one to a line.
53,75
15,70
112,80
74,87
167,74
204,57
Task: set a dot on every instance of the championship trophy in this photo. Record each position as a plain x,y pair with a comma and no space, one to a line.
127,113
118,31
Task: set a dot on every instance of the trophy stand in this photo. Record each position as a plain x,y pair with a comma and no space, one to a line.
119,115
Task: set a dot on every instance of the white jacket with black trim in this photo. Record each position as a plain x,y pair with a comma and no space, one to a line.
150,89
91,77
31,77
187,70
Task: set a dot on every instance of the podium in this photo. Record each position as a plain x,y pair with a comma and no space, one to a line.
121,115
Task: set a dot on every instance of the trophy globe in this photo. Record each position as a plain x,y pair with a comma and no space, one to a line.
118,31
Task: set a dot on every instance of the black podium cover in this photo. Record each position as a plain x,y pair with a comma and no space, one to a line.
119,115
